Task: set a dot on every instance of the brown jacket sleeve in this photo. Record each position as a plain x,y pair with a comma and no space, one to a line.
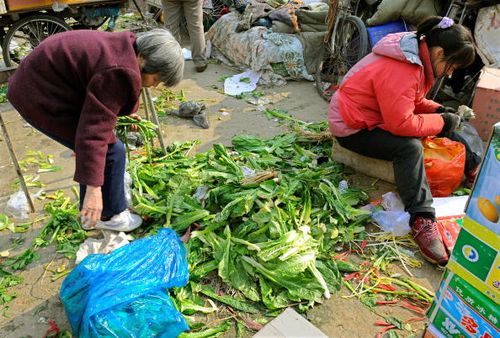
111,92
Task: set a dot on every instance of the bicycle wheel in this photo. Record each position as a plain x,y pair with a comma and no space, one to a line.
24,35
348,44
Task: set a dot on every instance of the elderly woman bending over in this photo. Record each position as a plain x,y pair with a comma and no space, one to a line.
72,88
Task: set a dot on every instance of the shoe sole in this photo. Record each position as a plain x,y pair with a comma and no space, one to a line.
433,261
117,229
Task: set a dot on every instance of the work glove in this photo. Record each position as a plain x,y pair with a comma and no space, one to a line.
451,122
444,109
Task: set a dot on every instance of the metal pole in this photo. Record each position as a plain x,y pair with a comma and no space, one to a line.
16,165
155,120
146,103
139,10
146,111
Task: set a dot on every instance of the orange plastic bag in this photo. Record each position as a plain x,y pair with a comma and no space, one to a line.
444,162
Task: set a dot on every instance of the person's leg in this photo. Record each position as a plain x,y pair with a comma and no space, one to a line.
472,160
172,11
406,153
115,214
113,190
193,12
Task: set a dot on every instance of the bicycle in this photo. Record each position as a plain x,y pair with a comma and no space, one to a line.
346,42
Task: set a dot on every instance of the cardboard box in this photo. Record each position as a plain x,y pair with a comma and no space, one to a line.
484,204
466,304
486,102
460,310
476,258
449,228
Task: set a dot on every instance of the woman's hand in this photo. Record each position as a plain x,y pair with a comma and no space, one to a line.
444,109
451,122
138,118
92,206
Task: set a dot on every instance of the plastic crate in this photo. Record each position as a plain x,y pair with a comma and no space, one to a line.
375,33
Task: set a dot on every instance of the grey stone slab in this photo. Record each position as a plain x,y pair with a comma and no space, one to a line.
290,324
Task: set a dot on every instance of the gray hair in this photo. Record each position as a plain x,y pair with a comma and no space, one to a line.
162,55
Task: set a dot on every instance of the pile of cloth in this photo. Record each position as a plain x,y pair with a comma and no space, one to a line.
281,41
284,17
412,11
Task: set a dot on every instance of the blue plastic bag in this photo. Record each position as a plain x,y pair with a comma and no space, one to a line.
124,293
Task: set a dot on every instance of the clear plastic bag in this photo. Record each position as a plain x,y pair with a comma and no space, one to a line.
127,181
470,136
395,222
124,293
17,205
392,202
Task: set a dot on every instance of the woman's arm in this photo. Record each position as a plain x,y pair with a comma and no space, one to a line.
396,94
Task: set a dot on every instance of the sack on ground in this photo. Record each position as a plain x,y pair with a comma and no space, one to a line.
124,293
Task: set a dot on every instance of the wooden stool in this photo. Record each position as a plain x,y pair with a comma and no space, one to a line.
366,165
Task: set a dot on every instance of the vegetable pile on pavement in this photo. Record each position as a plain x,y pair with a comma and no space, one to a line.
267,224
261,220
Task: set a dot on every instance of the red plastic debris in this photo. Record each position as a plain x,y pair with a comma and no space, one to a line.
53,329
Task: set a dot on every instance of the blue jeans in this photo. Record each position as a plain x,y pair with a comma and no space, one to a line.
113,189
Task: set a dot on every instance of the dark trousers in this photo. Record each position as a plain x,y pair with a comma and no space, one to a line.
406,154
113,189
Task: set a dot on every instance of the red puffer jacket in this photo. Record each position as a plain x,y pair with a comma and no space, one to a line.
386,90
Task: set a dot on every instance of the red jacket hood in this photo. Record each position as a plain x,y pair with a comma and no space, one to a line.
405,47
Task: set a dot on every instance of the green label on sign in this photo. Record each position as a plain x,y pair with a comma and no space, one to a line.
447,326
475,299
474,255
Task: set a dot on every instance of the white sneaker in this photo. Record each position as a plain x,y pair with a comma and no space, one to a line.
124,221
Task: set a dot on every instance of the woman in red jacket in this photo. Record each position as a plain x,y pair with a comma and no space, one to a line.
74,85
380,111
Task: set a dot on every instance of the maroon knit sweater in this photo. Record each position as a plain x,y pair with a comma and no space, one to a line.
74,85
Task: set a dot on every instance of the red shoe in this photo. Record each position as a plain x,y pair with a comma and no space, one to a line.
426,234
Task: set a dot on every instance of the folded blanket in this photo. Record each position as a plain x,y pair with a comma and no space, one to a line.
313,28
308,16
313,48
258,49
413,11
281,27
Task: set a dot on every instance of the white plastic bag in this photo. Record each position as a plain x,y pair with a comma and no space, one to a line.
343,186
392,202
128,190
17,205
111,241
395,222
470,135
486,35
394,218
241,83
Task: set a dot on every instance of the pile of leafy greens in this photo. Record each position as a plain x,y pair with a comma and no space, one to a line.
261,220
